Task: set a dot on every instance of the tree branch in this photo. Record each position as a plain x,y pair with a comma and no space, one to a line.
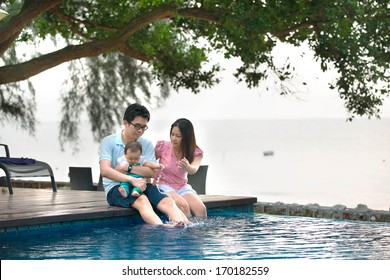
21,71
126,50
296,27
15,25
75,23
200,14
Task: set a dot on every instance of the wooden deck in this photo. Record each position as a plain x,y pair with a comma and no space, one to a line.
29,207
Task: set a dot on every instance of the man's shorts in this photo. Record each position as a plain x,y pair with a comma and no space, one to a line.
114,197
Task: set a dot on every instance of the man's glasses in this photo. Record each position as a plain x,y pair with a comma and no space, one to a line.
137,126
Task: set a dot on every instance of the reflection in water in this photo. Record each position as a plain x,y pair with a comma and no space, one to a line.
220,237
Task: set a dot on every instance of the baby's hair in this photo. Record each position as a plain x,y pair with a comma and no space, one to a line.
133,146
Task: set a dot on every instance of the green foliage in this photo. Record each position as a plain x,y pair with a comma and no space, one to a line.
19,105
174,40
355,41
17,101
102,87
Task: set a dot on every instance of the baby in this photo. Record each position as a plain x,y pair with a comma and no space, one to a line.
132,156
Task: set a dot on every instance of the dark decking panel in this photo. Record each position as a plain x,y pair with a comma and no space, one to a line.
27,207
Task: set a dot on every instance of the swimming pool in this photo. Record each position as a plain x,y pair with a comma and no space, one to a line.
243,236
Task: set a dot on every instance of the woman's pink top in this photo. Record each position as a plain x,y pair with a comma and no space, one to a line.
172,174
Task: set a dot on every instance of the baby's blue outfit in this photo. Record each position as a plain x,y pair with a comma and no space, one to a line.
128,185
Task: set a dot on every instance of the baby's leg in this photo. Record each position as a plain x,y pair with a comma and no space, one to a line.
136,192
122,191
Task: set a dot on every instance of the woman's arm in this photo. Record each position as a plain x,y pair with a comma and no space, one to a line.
192,167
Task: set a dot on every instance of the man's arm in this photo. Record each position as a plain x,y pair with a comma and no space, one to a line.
143,171
107,171
147,155
153,165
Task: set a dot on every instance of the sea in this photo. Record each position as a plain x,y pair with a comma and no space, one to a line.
305,161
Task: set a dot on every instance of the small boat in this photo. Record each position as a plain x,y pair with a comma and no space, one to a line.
268,153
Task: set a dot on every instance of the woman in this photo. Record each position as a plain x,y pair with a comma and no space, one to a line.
180,156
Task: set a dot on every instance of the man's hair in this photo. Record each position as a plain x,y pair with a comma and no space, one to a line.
135,110
133,146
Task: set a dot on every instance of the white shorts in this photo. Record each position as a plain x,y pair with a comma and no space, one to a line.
182,191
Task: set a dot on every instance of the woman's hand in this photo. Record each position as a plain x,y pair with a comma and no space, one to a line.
192,167
185,164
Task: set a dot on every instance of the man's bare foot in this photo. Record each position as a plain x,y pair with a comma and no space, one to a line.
180,224
122,191
174,224
183,223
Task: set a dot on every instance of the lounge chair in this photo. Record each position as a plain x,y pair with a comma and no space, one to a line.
81,179
198,180
24,167
100,184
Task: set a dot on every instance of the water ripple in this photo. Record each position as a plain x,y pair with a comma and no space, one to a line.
219,237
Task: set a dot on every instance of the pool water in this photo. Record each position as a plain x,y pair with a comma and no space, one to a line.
244,236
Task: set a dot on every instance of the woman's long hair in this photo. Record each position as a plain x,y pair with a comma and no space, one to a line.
188,141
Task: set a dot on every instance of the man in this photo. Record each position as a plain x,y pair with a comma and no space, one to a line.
135,122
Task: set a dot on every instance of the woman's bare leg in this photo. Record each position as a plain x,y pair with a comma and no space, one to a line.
196,205
181,203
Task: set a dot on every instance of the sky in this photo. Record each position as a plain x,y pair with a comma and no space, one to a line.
229,99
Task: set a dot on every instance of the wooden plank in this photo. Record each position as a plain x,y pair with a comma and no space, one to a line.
68,216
